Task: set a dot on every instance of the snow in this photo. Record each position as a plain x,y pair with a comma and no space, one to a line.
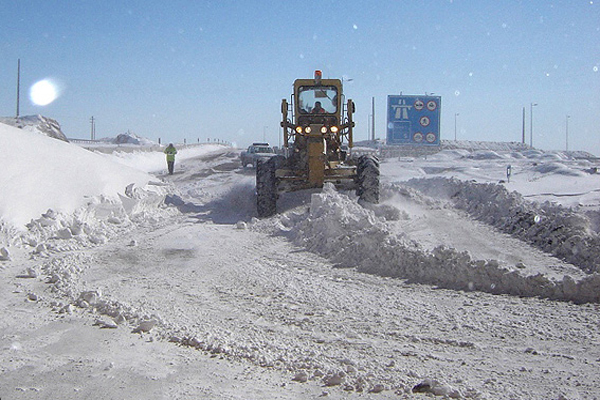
64,177
59,176
119,281
37,124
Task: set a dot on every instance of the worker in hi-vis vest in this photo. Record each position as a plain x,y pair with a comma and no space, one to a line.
170,151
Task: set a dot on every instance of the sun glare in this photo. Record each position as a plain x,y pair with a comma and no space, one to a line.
44,92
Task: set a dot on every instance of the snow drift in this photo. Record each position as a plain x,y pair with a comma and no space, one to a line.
552,228
338,228
129,138
37,124
41,173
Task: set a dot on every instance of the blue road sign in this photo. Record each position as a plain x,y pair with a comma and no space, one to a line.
414,120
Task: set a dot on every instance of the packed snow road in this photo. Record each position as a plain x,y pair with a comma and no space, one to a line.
335,299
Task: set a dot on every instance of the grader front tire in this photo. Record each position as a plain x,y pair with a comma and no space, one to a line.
266,187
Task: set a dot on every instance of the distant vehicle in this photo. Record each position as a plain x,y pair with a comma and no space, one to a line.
254,152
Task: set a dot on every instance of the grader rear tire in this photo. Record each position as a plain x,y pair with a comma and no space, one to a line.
367,171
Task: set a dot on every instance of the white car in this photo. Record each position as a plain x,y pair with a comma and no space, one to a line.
254,152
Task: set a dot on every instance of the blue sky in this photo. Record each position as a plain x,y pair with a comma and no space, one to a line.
219,69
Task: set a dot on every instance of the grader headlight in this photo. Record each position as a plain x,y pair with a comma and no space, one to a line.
323,130
307,130
299,130
334,129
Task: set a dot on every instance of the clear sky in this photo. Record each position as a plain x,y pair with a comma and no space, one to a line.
219,69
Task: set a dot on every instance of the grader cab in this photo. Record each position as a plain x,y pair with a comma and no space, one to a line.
317,142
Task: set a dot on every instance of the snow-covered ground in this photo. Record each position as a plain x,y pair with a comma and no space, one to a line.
119,281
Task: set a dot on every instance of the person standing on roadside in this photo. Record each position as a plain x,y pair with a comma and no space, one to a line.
170,151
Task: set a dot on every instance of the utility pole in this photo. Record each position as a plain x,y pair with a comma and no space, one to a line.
455,118
531,124
93,133
523,141
567,133
373,119
18,85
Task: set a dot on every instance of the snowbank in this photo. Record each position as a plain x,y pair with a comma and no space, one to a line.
37,124
337,227
472,145
130,138
552,228
42,173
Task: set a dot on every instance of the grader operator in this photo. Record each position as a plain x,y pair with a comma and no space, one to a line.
317,143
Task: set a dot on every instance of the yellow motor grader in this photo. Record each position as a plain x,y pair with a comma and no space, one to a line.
317,144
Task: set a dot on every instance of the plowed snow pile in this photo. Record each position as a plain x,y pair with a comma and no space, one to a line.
350,235
550,227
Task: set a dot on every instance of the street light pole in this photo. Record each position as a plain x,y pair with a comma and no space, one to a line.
523,139
455,117
93,131
531,124
567,134
18,85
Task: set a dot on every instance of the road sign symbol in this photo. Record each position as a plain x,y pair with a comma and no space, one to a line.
431,105
418,137
424,121
419,105
430,137
401,110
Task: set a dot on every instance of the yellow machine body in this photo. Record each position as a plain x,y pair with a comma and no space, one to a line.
317,136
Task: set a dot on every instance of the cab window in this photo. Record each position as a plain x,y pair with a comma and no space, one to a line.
309,96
